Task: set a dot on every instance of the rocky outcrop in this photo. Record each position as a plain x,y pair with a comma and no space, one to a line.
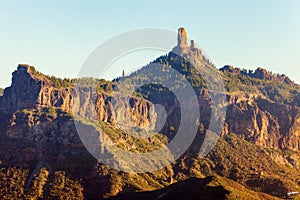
257,120
51,125
32,90
184,50
263,122
259,73
231,69
24,90
263,74
182,38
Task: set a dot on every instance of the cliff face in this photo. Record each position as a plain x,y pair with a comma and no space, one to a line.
32,90
263,122
183,49
255,119
49,125
23,91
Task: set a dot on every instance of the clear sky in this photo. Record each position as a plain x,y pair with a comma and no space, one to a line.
57,36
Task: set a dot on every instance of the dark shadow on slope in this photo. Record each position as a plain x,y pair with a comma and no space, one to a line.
190,189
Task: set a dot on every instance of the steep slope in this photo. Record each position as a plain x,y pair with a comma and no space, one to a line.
206,188
70,170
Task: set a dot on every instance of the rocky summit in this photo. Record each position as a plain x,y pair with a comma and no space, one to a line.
185,50
256,156
259,73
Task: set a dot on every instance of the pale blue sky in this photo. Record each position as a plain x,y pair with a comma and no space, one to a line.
57,36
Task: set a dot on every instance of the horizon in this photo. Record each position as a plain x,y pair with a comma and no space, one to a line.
57,37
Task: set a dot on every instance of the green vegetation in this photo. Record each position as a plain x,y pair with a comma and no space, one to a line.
160,71
50,113
127,141
276,91
131,143
101,85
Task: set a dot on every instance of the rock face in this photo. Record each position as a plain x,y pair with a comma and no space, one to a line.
257,120
263,74
259,73
32,90
263,122
183,49
193,44
54,127
24,89
182,38
231,69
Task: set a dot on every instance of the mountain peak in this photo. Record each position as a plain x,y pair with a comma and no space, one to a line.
193,44
182,38
183,47
25,67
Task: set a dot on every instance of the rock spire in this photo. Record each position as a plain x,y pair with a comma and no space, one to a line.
182,38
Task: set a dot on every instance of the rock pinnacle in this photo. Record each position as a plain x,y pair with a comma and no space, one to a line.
182,38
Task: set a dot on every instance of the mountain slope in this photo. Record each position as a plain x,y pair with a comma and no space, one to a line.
232,157
206,188
42,156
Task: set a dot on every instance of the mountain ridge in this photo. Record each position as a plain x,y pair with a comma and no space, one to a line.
42,155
